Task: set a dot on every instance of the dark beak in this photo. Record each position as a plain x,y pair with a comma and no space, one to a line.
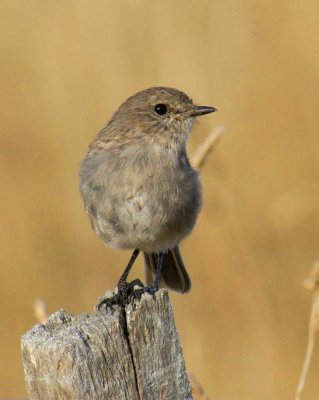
201,110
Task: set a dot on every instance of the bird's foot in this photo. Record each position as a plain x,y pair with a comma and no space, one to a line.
122,296
138,293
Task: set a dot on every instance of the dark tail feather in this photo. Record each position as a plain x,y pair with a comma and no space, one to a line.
174,274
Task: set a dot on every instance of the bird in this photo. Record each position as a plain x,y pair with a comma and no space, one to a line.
138,186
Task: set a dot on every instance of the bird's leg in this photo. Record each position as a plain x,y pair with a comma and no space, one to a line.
122,284
159,267
156,283
123,287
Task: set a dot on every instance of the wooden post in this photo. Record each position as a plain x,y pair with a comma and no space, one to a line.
127,353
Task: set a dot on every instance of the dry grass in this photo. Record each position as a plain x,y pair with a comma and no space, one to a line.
312,284
205,149
197,389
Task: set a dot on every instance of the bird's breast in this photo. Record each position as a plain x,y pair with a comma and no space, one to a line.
165,199
139,198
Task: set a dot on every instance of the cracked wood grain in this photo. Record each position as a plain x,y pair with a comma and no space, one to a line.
130,353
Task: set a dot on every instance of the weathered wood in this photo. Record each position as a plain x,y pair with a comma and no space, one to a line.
130,353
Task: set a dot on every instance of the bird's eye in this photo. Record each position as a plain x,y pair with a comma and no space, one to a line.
160,109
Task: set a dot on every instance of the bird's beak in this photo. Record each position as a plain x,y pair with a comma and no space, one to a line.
201,110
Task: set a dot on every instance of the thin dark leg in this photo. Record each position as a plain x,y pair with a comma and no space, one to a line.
123,287
159,267
156,283
127,270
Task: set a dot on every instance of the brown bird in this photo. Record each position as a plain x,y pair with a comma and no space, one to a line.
138,186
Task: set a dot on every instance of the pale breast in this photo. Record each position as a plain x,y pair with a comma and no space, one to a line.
140,202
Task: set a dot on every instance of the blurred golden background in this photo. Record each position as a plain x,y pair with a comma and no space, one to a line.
65,67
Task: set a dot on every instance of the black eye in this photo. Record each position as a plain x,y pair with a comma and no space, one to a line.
160,109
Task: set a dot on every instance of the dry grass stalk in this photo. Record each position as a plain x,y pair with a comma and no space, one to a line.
203,151
311,283
197,389
40,312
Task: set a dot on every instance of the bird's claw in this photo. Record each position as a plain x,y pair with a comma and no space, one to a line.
124,295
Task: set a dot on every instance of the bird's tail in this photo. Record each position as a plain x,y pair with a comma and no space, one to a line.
174,274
